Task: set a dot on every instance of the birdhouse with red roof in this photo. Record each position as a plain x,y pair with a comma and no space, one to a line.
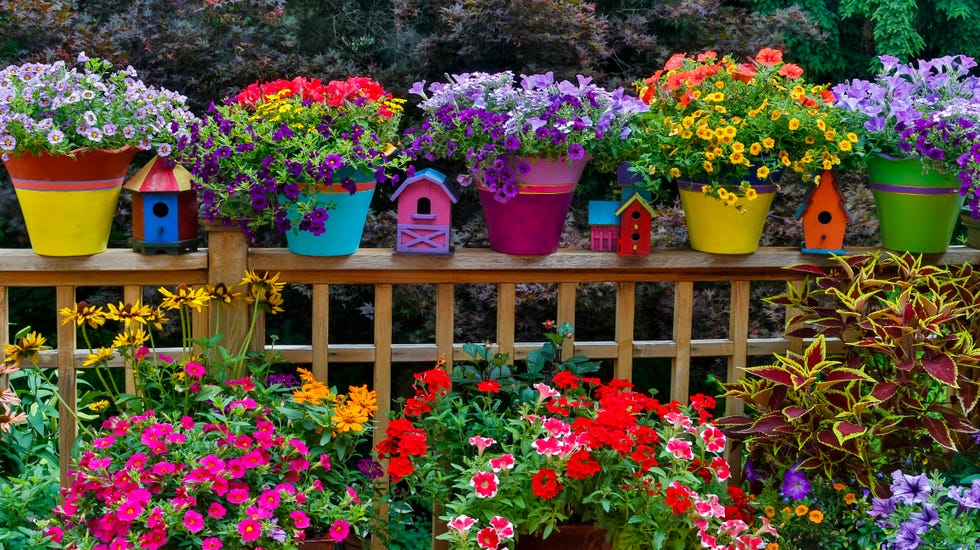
164,208
424,214
825,216
635,222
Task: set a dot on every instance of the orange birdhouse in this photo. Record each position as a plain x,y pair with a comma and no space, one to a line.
825,216
635,221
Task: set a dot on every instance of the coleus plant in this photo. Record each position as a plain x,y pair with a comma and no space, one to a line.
904,383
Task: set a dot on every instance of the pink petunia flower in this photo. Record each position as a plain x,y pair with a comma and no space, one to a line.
216,510
488,538
212,543
505,462
714,439
300,519
504,528
481,443
461,524
485,484
680,448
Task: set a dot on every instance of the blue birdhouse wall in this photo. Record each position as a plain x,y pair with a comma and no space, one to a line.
164,217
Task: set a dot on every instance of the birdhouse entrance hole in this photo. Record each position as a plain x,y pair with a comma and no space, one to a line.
424,206
825,217
161,210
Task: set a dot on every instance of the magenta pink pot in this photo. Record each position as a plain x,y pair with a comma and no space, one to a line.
531,223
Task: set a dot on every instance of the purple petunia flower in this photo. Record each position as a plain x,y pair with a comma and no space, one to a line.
576,151
512,143
910,489
795,484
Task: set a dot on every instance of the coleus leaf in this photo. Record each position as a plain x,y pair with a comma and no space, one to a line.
941,368
829,438
769,424
939,432
846,374
884,390
793,413
967,395
847,430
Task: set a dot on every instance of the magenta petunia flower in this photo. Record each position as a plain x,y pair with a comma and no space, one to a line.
212,543
249,529
339,530
193,521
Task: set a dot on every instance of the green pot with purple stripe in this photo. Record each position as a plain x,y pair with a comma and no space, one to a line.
917,207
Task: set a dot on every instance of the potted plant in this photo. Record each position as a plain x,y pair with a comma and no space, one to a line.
920,172
510,461
75,130
205,453
524,142
725,131
300,156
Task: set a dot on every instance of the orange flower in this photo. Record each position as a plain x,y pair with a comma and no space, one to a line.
816,516
675,61
849,498
791,70
802,509
769,57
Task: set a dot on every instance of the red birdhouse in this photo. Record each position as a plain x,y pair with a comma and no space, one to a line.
635,220
164,208
825,217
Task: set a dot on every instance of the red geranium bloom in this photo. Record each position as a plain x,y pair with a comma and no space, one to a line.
565,380
581,465
545,484
488,386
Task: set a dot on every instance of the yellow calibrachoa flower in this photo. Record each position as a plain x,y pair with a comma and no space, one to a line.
774,115
731,199
768,143
762,173
738,147
794,124
755,149
708,167
675,172
751,194
844,145
770,512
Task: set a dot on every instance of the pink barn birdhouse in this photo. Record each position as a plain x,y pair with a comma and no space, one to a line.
424,214
164,208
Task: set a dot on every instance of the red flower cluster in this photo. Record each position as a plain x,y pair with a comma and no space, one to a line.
402,440
335,93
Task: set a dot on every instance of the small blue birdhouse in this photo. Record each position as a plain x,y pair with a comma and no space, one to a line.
164,209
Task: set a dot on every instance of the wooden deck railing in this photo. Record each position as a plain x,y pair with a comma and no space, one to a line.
228,257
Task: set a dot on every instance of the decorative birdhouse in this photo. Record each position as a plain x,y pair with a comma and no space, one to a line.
635,221
424,214
604,225
164,209
825,217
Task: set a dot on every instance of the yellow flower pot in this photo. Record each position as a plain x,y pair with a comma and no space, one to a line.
69,202
713,226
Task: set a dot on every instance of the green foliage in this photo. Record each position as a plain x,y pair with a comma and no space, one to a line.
904,386
25,499
857,31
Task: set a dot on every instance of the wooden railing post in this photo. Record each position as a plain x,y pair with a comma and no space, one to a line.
227,262
67,389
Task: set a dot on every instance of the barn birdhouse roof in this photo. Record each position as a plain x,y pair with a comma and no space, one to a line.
429,174
160,176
